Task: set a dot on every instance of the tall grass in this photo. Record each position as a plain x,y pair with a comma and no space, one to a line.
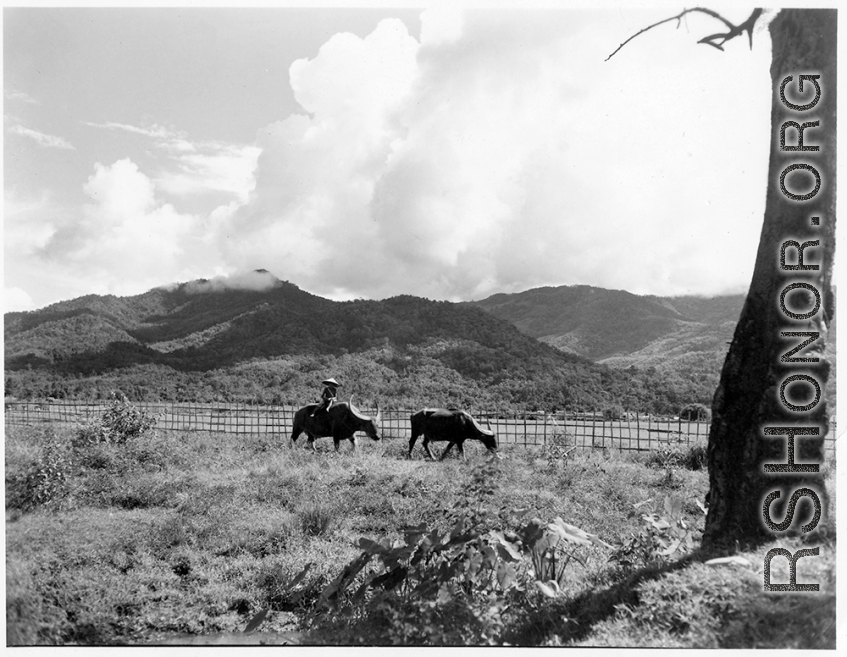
192,534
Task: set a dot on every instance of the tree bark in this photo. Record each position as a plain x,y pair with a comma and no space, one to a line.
748,395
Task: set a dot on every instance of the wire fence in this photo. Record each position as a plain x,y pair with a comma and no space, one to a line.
581,431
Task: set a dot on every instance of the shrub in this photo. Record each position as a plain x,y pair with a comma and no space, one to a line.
695,413
43,481
120,422
670,455
695,457
96,457
614,412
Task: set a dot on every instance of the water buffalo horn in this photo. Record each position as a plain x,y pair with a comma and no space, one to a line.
378,413
357,412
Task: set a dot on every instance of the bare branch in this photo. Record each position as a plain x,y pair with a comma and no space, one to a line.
734,30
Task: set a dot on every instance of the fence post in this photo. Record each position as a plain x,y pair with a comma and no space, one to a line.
649,435
593,424
638,431
524,426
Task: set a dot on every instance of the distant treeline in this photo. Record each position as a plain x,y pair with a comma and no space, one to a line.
273,346
450,375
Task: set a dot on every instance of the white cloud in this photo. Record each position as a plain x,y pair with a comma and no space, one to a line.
125,240
441,25
201,168
21,96
42,139
502,153
16,300
316,175
195,168
27,226
499,153
151,131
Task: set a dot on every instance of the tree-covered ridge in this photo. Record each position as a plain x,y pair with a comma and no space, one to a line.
600,324
274,346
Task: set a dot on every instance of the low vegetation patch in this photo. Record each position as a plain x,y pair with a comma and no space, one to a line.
192,537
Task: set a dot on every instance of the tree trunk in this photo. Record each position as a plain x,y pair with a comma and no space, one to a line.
748,398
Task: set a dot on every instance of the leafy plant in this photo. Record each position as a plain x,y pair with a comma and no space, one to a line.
559,446
45,480
695,457
660,538
451,585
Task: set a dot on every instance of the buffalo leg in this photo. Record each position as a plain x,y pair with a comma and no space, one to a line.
427,449
311,442
447,451
337,442
461,450
412,442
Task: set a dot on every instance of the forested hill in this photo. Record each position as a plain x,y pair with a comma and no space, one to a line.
200,331
681,340
198,342
599,324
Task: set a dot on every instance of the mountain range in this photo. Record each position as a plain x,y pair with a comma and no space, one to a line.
270,341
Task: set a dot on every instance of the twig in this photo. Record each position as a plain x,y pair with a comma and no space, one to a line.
734,30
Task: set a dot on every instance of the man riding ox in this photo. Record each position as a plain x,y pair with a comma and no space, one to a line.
328,396
341,420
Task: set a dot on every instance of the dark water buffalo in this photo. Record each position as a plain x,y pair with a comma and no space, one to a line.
437,424
341,422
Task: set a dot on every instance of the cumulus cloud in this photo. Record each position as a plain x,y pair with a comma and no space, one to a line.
309,215
125,240
42,139
498,154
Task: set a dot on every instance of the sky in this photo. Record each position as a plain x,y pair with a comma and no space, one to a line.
365,153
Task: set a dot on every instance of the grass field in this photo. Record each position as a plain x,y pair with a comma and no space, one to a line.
184,537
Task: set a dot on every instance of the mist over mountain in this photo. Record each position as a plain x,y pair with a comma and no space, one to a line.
257,338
